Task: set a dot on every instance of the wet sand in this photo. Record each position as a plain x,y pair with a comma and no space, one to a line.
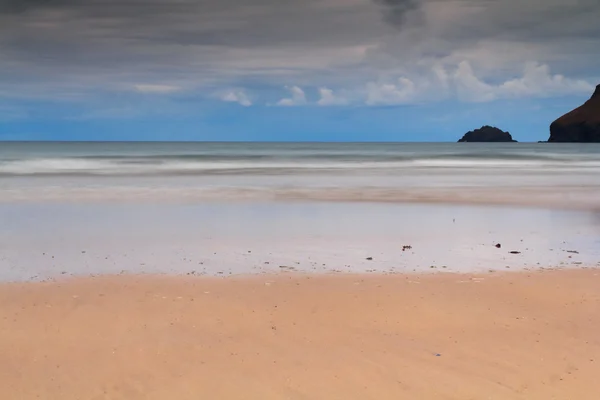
291,336
42,241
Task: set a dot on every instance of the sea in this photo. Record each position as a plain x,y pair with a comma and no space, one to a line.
540,174
222,209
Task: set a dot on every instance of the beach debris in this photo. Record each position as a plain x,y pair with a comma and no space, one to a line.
438,355
515,252
369,258
573,251
498,246
404,248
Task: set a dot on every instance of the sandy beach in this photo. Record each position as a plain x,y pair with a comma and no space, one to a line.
524,335
186,272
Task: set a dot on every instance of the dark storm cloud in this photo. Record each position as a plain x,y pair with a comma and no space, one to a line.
98,44
502,34
82,30
63,47
539,20
190,22
92,31
396,11
20,6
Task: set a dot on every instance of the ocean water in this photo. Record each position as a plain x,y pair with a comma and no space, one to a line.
548,175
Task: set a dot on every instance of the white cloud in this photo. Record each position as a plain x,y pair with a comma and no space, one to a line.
298,98
236,96
156,88
460,81
469,88
441,75
537,81
329,98
434,81
403,91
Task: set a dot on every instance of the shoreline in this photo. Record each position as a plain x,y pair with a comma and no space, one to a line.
293,273
513,335
479,197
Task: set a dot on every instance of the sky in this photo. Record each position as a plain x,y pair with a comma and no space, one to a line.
292,70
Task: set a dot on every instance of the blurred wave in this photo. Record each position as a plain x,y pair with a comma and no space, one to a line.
521,174
293,159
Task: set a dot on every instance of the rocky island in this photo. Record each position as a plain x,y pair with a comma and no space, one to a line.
487,134
581,125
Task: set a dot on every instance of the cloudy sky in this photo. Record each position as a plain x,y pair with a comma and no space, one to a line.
418,70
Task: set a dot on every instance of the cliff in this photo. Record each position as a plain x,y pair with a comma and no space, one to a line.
581,125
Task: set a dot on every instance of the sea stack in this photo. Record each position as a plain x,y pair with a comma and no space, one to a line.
487,134
581,125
